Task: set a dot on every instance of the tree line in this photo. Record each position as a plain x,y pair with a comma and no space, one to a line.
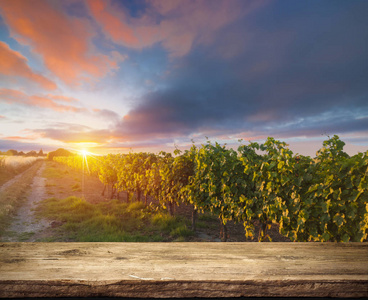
13,152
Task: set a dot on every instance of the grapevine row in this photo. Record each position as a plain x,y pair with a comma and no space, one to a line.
319,199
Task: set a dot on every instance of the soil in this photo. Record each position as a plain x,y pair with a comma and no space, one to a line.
69,182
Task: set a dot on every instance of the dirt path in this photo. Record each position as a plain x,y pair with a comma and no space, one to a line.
25,227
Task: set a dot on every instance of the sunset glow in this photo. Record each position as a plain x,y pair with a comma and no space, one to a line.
84,153
114,76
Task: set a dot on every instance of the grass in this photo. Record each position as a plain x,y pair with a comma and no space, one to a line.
52,172
172,224
207,221
207,216
25,236
111,221
181,231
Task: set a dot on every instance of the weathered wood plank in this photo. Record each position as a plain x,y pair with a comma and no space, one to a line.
184,270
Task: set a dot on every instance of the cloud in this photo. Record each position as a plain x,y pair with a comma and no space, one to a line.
74,133
163,144
329,126
99,138
64,42
177,25
62,98
15,64
19,138
161,115
282,82
20,98
106,114
6,144
113,23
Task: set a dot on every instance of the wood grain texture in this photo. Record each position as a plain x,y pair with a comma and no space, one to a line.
183,270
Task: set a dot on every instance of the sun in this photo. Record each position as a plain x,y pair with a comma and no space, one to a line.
84,152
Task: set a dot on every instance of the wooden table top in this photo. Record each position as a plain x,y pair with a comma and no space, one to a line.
177,270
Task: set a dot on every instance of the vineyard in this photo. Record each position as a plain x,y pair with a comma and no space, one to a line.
312,199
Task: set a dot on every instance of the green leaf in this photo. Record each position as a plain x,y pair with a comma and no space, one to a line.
345,238
338,220
312,188
326,237
300,221
269,185
280,164
272,164
324,207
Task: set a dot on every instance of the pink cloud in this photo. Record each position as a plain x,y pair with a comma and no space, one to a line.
19,138
181,25
15,64
45,102
18,97
62,98
113,23
63,42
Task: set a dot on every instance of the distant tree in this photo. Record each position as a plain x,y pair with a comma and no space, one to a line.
40,153
11,152
59,152
21,153
31,153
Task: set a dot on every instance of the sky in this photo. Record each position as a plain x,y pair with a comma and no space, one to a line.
149,75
